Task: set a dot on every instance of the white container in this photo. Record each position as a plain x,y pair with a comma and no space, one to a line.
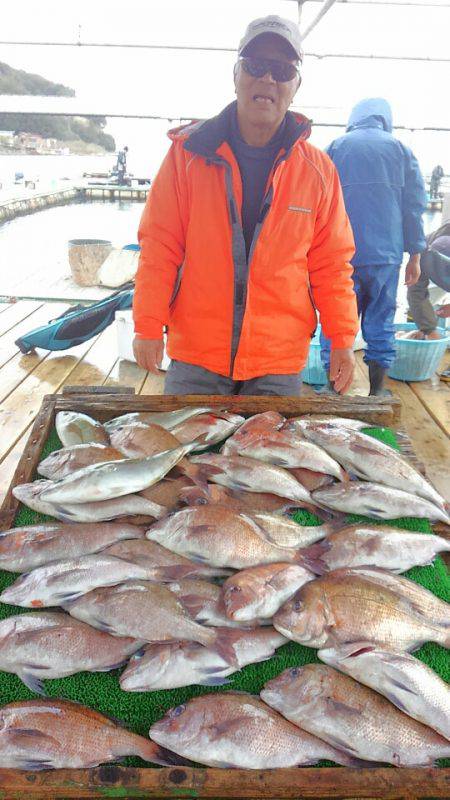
125,336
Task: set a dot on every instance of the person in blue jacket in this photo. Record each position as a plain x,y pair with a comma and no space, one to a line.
385,198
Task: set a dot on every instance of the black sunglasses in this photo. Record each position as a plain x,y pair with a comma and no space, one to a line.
281,71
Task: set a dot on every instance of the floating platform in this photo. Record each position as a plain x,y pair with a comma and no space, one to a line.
112,191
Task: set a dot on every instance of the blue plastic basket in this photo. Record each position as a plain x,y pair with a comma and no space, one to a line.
417,360
314,372
131,247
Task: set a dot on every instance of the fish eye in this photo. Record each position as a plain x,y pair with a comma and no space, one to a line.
234,589
297,605
177,711
294,672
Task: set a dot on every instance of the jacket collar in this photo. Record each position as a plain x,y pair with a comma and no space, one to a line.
204,138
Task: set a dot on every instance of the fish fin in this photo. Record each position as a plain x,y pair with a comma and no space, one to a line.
193,603
341,744
34,684
111,666
33,764
339,707
394,699
214,681
226,727
224,644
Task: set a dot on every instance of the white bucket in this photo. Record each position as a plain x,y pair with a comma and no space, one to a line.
125,336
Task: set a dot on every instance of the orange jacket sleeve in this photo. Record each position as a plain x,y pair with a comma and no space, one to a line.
162,239
329,268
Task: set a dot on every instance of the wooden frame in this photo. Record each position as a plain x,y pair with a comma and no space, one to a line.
181,782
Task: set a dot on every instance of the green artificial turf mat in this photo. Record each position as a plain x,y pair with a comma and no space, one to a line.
138,710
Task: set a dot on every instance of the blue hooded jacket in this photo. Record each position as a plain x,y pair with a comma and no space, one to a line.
383,188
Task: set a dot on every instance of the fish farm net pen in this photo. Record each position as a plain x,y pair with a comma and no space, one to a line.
138,710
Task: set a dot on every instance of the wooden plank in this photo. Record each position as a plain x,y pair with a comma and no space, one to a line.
96,365
436,399
9,465
181,782
37,318
20,407
378,410
28,460
16,312
429,443
4,306
154,384
127,373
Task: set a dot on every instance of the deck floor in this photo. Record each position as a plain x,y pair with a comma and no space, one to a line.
25,379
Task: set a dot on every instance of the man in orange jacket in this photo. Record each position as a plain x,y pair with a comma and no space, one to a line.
243,236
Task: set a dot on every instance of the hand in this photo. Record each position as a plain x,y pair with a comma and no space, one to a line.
148,353
443,311
412,272
342,367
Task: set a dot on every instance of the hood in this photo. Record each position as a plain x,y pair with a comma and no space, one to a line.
373,112
205,136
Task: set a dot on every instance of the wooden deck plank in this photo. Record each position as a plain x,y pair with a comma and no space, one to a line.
127,373
17,312
4,306
435,396
9,464
19,409
37,318
428,440
98,362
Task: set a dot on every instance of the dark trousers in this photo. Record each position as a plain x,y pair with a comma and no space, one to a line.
182,378
433,267
376,294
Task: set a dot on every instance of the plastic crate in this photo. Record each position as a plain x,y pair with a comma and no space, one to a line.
314,372
417,360
125,336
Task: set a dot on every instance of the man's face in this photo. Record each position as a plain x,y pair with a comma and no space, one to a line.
264,101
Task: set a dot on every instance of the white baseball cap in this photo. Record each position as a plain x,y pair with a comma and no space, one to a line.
285,28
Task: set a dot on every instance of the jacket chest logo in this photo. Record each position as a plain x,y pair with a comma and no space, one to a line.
300,209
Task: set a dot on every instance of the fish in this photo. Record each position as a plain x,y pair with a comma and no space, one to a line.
286,450
310,479
372,460
380,546
422,600
378,501
61,463
51,644
30,494
348,605
73,427
161,562
137,440
203,602
257,593
255,426
115,479
285,532
234,498
148,611
23,549
218,536
61,581
306,421
166,419
169,492
249,474
352,717
214,427
408,683
177,664
54,734
238,730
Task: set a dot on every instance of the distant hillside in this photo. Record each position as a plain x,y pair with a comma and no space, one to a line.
65,129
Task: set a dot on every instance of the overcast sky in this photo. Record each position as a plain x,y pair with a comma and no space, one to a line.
199,84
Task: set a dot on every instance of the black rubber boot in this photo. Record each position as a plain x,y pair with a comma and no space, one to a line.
376,378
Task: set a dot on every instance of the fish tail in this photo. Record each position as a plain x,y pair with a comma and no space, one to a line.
311,557
149,751
225,639
443,637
